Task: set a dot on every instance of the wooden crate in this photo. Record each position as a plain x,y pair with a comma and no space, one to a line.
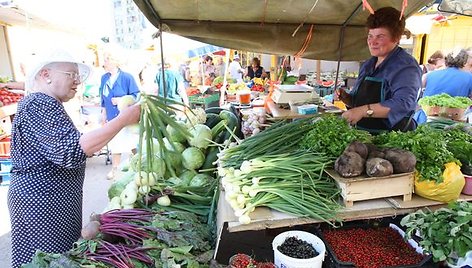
366,188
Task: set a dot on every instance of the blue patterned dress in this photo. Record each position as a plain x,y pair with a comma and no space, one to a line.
45,194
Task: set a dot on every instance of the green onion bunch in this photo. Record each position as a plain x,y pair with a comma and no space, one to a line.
281,137
290,182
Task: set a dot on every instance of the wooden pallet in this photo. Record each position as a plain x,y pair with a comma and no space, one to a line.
366,188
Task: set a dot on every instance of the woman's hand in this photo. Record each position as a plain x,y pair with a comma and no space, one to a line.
354,115
130,115
115,100
343,96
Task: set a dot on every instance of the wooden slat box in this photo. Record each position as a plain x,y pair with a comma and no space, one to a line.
366,188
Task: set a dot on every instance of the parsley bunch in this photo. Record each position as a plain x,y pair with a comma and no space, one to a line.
331,135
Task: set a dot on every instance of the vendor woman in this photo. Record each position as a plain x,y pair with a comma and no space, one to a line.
384,96
255,70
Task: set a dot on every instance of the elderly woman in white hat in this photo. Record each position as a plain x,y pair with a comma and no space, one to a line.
48,159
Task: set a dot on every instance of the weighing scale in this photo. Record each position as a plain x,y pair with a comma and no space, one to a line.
284,93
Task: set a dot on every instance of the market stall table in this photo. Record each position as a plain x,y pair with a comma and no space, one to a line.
263,217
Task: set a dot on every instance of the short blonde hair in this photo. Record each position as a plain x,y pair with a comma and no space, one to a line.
114,54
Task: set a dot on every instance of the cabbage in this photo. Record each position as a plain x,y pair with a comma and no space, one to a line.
200,180
158,165
187,176
173,146
175,159
119,186
125,101
192,158
174,134
201,136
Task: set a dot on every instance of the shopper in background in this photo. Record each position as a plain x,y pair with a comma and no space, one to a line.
220,67
255,70
235,69
115,84
384,96
468,65
48,159
209,70
147,80
184,71
452,80
174,84
435,62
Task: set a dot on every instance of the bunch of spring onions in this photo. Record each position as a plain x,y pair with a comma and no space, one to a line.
156,114
281,137
291,183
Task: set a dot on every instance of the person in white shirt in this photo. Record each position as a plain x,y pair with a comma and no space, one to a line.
235,69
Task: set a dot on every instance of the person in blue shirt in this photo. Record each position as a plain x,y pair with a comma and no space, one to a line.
453,80
174,88
115,84
384,95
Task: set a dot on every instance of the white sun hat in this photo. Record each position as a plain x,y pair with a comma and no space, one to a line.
56,55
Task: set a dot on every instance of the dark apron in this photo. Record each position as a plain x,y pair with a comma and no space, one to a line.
372,90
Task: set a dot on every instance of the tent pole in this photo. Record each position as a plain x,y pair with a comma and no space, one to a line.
225,77
162,64
341,43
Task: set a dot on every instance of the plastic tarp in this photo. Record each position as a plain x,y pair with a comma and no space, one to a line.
277,27
200,51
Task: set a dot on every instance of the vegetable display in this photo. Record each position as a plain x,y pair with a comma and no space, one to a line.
445,100
358,158
445,233
427,144
332,134
371,247
290,182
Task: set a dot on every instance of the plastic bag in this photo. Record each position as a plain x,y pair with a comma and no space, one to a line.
446,191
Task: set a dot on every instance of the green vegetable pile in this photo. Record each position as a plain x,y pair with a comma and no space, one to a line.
445,100
180,239
332,134
446,233
427,144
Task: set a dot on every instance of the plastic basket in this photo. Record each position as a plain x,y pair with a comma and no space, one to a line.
333,262
205,100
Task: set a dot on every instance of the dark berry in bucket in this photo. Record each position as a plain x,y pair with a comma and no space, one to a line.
297,248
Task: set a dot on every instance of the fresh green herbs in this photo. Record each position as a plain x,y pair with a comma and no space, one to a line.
427,144
332,134
446,232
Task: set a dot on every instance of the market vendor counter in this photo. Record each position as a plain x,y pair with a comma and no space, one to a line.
256,237
263,218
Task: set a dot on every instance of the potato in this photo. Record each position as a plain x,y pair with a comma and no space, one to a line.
403,161
349,164
359,148
378,167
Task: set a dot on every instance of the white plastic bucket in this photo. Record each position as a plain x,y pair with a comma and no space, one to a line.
284,261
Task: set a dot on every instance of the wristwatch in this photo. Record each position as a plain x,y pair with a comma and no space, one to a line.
369,112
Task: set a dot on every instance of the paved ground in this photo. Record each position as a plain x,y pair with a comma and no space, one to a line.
95,200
